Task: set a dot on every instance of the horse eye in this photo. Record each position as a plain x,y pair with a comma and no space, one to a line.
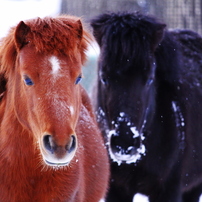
150,81
78,79
104,81
28,81
103,78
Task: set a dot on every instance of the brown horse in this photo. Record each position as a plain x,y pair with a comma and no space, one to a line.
50,146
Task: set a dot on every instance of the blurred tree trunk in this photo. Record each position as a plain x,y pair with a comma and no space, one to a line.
185,14
175,13
91,8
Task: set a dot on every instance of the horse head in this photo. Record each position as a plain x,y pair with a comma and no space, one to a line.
43,84
126,80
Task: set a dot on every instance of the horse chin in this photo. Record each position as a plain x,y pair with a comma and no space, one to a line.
122,158
57,162
53,161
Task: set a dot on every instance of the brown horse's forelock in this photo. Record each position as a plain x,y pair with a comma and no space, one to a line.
57,36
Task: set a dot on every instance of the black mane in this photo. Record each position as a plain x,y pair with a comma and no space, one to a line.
131,39
168,60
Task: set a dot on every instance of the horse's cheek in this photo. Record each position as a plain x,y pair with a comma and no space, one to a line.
23,106
76,106
20,105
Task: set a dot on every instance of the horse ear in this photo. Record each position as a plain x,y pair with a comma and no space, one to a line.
158,35
80,29
21,34
97,32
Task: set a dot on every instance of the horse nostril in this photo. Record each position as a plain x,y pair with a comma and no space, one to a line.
48,143
72,145
58,150
51,146
120,146
137,142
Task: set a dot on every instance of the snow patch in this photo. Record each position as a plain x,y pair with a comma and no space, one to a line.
140,198
135,132
178,113
180,123
122,114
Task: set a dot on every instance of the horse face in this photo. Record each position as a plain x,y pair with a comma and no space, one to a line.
126,86
47,85
127,102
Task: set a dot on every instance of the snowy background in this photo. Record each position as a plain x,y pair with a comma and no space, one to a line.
13,11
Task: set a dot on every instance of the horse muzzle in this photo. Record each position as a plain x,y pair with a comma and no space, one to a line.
125,148
55,154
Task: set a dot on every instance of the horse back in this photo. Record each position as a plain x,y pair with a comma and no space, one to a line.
190,44
188,106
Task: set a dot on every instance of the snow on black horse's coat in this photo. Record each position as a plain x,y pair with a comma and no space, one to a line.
149,107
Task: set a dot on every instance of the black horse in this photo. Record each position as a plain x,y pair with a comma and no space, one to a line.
149,107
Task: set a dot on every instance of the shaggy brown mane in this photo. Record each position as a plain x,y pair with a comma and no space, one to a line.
59,36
